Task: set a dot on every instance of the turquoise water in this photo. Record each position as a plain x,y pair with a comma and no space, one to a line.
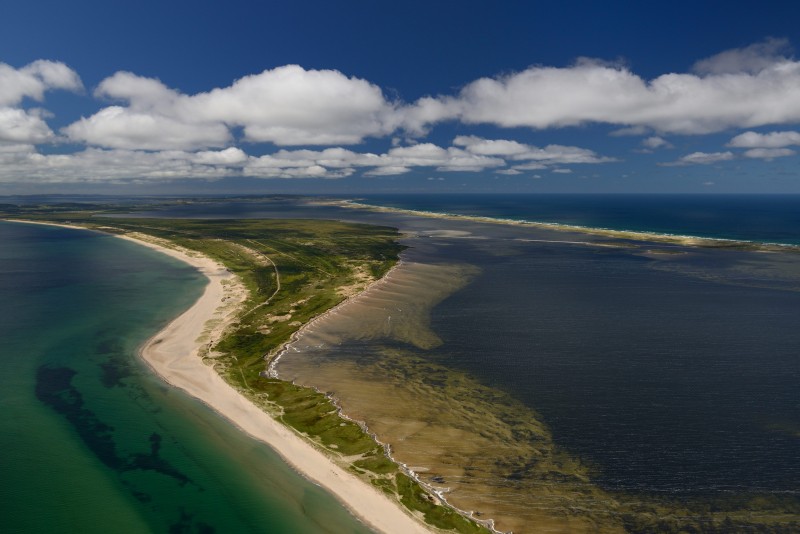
91,440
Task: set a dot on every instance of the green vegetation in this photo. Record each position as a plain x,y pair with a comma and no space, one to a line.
313,414
377,464
293,270
415,498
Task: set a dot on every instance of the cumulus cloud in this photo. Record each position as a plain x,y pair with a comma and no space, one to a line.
284,106
119,127
702,158
293,106
33,80
229,156
766,146
769,140
21,126
148,130
27,126
741,88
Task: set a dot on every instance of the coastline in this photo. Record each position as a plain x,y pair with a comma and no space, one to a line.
634,235
175,355
279,352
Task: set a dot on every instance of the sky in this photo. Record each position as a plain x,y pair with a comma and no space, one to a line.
192,97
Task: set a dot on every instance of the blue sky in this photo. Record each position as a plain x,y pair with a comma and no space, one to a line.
353,97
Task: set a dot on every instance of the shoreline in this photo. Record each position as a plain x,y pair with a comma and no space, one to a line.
635,235
284,349
275,356
174,354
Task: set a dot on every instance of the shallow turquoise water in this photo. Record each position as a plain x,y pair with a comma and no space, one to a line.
91,440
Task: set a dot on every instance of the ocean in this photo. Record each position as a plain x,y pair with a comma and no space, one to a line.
92,440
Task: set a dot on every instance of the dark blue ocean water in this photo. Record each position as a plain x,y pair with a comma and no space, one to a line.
676,376
762,218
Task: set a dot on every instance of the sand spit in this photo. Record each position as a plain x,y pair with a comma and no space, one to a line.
175,355
633,235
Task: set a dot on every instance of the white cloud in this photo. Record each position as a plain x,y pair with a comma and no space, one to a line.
655,142
148,130
764,90
562,171
770,140
97,165
285,106
16,148
398,160
33,80
390,170
229,156
444,159
27,126
533,166
702,158
143,94
264,167
125,128
769,153
22,162
515,151
293,106
492,147
21,126
751,59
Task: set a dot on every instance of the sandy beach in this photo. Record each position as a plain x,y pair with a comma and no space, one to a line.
175,355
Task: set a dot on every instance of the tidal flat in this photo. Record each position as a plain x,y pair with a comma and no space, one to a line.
561,382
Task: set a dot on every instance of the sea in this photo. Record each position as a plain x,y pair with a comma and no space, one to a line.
91,439
670,371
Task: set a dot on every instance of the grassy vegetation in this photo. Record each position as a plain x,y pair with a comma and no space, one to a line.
293,271
414,497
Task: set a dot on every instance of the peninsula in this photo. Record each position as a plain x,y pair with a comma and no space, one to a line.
266,279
